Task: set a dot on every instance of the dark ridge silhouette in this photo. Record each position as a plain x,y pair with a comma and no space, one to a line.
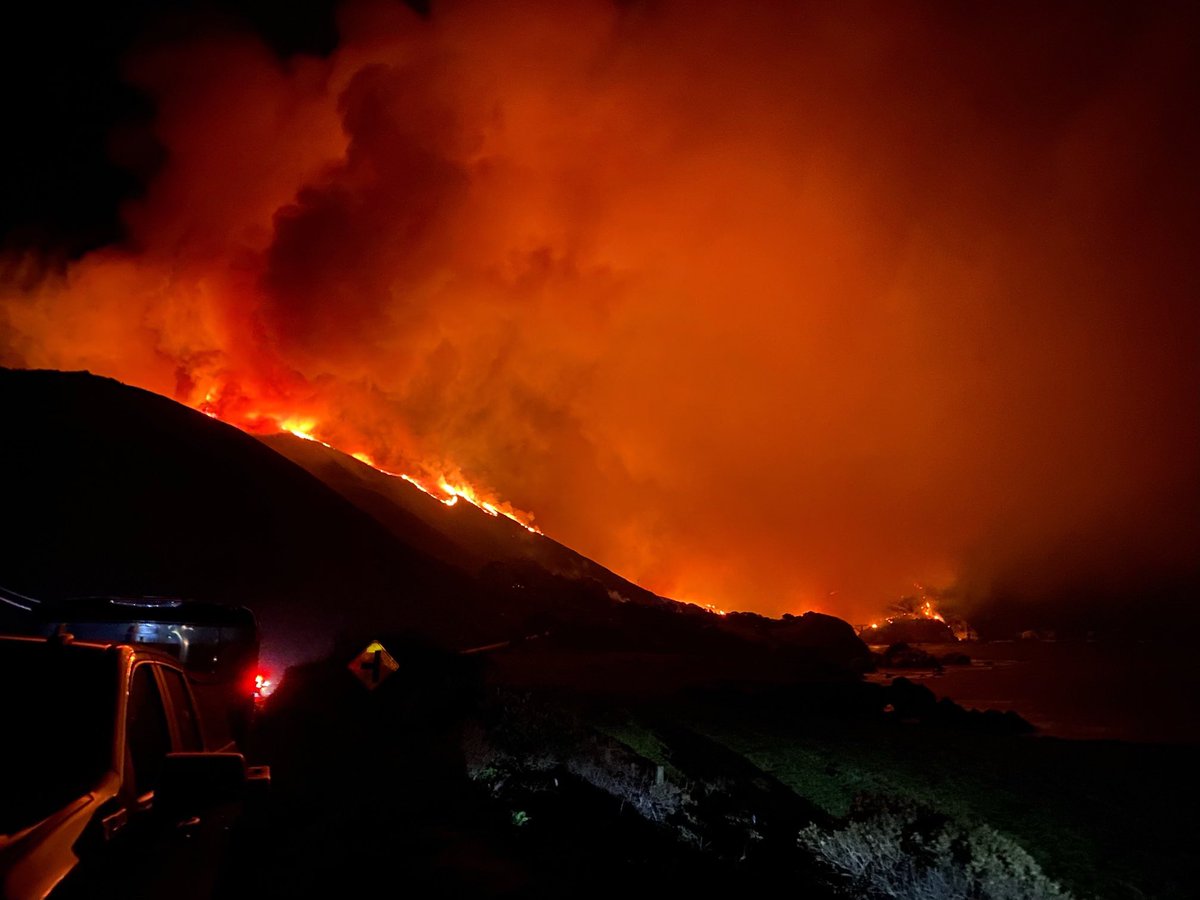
461,535
112,490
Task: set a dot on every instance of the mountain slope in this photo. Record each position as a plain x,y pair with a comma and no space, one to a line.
543,585
108,489
111,489
461,535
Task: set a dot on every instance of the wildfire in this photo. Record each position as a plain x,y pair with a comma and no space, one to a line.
708,607
305,427
911,609
926,610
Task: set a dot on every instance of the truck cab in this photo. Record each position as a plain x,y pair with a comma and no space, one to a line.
216,645
113,782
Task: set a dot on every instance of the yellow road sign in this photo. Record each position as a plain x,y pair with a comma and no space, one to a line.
373,665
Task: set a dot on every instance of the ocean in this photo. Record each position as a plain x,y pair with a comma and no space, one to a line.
1145,691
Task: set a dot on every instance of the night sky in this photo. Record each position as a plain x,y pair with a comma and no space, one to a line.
777,307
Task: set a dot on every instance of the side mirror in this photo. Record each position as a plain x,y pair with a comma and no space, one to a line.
194,783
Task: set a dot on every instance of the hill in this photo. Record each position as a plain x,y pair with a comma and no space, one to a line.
462,535
110,489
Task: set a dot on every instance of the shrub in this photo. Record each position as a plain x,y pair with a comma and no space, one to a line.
901,851
629,784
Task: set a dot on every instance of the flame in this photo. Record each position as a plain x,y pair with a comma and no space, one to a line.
925,611
301,428
469,494
307,427
506,232
928,612
707,607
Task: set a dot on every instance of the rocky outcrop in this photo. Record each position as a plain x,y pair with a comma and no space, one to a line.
905,656
824,640
915,703
910,631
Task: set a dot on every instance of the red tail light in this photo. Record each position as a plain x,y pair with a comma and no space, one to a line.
261,685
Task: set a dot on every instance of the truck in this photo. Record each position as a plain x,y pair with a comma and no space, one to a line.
112,783
217,645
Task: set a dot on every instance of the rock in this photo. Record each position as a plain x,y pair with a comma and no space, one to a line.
910,631
915,702
826,638
911,700
902,656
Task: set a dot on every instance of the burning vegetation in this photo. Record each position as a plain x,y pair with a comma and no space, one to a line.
916,618
302,427
549,252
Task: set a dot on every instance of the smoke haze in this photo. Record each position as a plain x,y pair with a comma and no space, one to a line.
778,307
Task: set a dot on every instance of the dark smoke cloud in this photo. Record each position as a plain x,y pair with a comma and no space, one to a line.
774,306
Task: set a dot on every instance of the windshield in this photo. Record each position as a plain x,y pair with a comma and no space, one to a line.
57,705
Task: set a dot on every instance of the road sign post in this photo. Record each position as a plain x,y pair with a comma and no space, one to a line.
373,665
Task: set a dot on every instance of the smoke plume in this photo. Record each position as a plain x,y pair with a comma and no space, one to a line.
773,306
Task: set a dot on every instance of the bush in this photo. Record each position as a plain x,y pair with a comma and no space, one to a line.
653,801
901,851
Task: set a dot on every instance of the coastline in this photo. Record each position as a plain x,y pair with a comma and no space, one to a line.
1142,691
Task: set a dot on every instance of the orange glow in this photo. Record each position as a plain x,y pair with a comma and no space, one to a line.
301,429
708,607
305,428
928,612
925,610
549,252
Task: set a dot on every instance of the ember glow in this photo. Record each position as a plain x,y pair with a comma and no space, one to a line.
447,493
928,612
761,303
925,610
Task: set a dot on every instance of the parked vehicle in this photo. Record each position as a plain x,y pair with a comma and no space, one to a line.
111,781
216,644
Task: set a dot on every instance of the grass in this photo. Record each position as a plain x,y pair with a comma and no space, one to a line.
643,741
1107,819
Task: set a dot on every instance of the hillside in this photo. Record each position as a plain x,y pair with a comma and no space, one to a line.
111,489
461,535
593,617
114,490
